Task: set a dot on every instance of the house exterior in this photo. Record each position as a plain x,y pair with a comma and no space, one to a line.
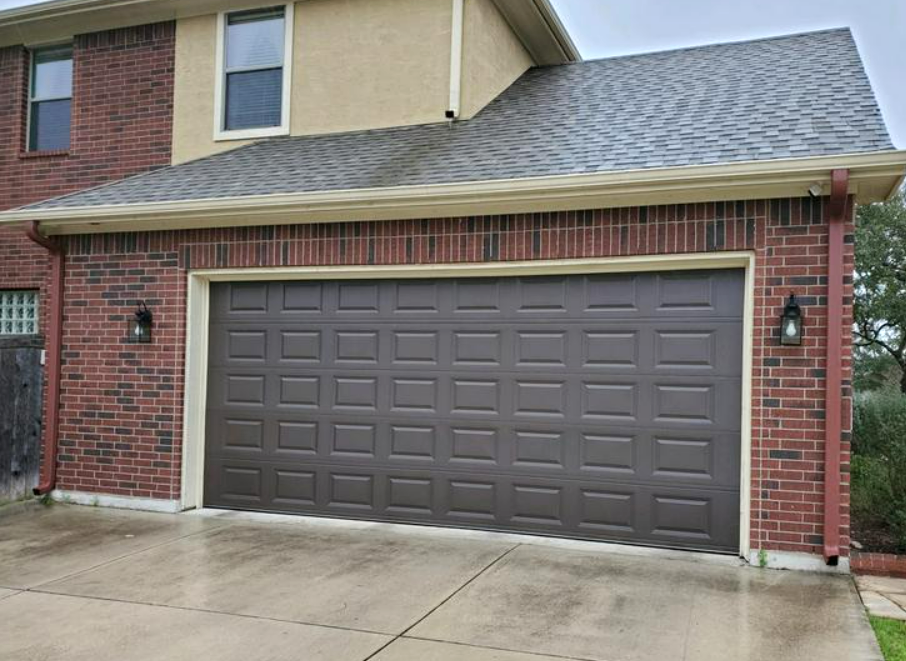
415,261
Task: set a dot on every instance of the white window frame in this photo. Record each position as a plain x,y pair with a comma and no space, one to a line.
220,133
32,49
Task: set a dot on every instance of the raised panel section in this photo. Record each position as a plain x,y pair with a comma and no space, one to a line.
472,500
412,442
539,449
247,345
542,295
683,457
610,293
300,391
357,347
476,296
536,504
475,396
540,349
476,348
301,437
248,297
685,349
302,346
613,401
414,395
418,296
681,517
355,393
606,510
294,487
303,297
415,347
244,434
358,297
409,494
685,292
611,453
693,404
602,348
474,445
240,483
540,399
351,491
349,439
245,390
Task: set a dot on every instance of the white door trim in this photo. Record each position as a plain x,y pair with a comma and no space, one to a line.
198,304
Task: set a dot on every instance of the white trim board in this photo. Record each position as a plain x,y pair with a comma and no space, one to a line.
197,315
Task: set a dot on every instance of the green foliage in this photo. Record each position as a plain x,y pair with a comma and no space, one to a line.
875,370
879,462
891,637
880,283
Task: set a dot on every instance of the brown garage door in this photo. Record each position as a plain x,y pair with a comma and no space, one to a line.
604,407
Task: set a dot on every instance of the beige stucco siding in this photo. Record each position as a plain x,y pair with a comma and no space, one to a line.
357,64
493,56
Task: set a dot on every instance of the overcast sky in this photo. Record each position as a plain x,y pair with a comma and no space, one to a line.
603,28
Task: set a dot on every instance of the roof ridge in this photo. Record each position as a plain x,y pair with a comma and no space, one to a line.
716,44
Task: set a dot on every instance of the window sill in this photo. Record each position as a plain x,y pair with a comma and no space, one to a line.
56,153
251,134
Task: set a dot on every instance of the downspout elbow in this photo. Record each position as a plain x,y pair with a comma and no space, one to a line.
53,344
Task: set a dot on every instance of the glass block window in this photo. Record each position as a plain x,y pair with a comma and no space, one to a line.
254,47
18,312
50,103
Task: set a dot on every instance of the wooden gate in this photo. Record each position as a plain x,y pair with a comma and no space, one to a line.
21,381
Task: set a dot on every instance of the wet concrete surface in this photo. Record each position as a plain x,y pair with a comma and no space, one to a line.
104,584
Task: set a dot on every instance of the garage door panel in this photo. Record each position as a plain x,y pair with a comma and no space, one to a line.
593,406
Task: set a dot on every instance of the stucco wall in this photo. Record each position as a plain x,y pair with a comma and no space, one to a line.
493,56
357,64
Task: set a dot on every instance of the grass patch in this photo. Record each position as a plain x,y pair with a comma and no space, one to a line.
891,636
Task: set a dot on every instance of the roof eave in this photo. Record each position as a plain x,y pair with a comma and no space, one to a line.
535,21
873,177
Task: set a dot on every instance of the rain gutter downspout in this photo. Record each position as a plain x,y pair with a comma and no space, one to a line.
54,340
833,425
456,36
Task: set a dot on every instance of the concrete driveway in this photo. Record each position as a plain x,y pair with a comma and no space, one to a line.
92,584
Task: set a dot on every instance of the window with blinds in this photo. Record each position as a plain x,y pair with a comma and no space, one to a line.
50,99
18,313
254,54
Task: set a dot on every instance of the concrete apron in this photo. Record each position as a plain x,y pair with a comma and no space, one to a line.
82,583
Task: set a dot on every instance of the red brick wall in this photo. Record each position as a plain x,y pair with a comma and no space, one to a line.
121,125
121,407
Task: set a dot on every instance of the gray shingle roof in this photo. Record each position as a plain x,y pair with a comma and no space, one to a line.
794,96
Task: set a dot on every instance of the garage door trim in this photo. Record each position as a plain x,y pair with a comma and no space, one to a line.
197,315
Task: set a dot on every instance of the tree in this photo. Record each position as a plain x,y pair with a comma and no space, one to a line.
880,282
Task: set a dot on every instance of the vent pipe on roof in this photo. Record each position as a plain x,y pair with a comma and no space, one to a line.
456,33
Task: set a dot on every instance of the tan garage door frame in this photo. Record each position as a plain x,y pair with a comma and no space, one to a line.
197,312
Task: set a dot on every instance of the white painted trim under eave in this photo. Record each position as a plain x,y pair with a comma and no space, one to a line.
872,177
198,315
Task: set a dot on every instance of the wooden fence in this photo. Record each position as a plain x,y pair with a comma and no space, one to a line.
21,381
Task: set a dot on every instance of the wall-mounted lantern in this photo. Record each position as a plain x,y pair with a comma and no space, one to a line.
140,325
791,323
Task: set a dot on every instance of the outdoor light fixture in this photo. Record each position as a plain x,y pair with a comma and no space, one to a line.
791,323
140,325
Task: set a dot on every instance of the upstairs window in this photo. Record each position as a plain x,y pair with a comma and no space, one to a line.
50,99
254,83
18,313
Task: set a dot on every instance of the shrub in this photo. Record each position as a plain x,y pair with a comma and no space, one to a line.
879,462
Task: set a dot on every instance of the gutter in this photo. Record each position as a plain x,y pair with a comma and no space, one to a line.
873,177
456,37
833,425
54,307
